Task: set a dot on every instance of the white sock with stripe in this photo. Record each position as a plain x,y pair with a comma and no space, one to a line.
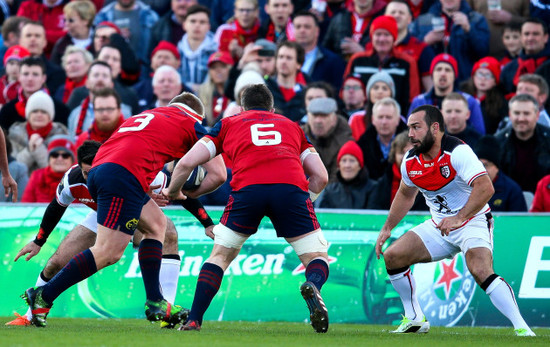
405,285
502,296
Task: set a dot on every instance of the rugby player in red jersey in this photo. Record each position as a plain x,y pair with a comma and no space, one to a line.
271,157
73,188
118,181
457,188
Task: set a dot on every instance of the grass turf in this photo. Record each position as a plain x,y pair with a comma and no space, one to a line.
138,332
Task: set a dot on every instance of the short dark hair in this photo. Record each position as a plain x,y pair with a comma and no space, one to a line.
512,26
105,93
535,20
300,53
13,24
403,2
197,9
190,100
256,96
34,61
86,152
431,115
305,13
110,45
329,90
98,62
524,98
537,80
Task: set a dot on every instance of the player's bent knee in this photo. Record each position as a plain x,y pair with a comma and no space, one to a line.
312,243
226,237
52,268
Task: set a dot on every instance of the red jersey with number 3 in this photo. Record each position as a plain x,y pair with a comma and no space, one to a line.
265,148
145,142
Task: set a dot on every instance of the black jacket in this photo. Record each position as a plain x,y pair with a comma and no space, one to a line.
354,194
294,109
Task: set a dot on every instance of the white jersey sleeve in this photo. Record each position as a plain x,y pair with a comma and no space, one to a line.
467,165
404,175
63,192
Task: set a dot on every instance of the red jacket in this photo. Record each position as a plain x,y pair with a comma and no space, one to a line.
42,185
541,202
52,19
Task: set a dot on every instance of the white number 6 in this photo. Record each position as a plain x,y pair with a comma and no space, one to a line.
147,117
269,138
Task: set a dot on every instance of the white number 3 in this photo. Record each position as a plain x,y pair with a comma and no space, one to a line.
143,122
264,138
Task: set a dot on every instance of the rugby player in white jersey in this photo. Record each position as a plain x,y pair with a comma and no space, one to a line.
456,188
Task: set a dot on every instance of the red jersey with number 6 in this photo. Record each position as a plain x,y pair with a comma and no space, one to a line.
265,148
145,142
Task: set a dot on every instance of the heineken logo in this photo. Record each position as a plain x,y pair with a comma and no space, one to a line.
445,289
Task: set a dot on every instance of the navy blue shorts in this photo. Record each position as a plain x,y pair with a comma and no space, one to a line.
119,197
289,208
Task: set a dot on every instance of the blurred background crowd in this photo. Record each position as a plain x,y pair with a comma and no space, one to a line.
348,71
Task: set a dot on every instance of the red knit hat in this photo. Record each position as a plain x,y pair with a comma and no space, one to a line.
444,58
221,56
15,52
352,148
384,22
61,143
488,63
110,25
166,46
355,77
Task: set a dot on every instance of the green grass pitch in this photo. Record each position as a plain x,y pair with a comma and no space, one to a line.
138,332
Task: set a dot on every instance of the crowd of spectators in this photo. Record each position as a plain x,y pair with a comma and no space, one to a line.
348,71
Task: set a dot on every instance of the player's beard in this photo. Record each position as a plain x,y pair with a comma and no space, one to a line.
426,144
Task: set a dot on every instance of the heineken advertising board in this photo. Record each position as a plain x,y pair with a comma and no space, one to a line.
262,284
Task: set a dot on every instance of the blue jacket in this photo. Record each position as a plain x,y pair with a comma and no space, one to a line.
508,196
329,67
467,48
147,18
476,117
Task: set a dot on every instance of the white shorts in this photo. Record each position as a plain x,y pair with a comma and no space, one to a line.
478,232
90,221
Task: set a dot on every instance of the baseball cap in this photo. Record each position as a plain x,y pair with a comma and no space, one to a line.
220,56
15,52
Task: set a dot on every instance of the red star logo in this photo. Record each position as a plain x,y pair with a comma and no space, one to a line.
448,276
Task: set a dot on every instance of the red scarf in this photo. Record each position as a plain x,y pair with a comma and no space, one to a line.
82,116
50,181
101,136
21,104
272,35
43,132
528,65
245,36
395,181
71,85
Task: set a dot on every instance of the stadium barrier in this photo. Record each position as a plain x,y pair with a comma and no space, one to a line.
263,282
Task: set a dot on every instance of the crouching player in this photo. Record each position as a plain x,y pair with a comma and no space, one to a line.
118,181
73,188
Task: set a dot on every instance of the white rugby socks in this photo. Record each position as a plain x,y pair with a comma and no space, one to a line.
168,277
404,284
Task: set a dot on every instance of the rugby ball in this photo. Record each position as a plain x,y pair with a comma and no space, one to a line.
195,178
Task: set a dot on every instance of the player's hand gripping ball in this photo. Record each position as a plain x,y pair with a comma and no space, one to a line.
195,178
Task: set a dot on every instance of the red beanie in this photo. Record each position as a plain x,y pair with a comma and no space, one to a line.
110,25
444,58
488,63
355,77
166,46
15,52
351,147
384,22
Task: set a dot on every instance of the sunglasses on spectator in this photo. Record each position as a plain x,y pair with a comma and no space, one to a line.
484,75
352,87
64,155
